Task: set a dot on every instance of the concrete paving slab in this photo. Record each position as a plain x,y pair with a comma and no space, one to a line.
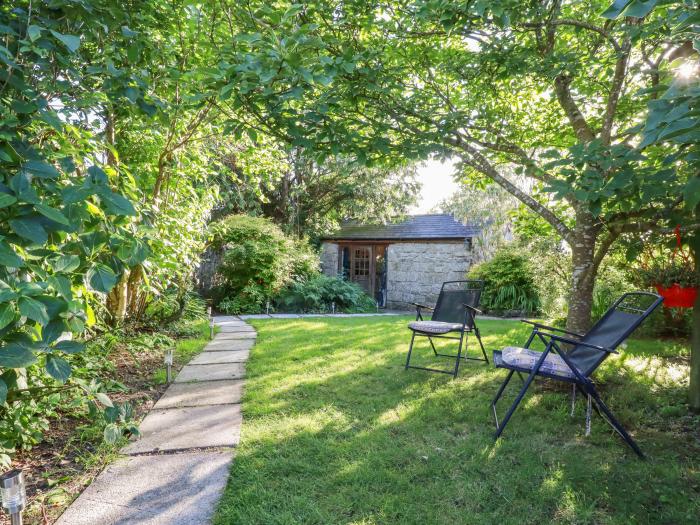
204,393
225,329
235,335
225,318
153,490
213,358
190,427
191,373
229,345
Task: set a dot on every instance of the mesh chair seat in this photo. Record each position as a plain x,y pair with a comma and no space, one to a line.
434,327
526,359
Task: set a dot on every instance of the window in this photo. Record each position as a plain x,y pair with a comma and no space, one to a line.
361,262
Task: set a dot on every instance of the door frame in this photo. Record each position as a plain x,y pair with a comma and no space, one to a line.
350,245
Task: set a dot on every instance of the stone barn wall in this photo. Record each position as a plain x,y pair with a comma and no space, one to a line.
329,258
416,271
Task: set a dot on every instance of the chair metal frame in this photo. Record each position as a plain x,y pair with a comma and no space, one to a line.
468,326
581,380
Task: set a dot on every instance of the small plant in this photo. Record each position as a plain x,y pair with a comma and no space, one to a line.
665,272
258,260
318,293
674,276
509,284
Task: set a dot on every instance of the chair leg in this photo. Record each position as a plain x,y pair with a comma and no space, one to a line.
573,399
432,345
410,349
483,350
521,394
588,416
498,395
614,423
459,356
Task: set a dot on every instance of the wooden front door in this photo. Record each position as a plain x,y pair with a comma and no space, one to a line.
361,267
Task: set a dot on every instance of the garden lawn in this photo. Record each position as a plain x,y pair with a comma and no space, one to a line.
336,431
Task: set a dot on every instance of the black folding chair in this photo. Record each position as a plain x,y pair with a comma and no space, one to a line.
454,312
575,365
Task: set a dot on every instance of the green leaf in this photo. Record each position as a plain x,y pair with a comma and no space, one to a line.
7,314
101,278
3,392
117,204
92,242
52,331
6,292
34,310
23,107
691,193
70,347
62,285
104,399
51,213
58,368
112,434
33,32
8,257
29,228
66,263
615,9
71,42
41,169
16,356
7,200
640,8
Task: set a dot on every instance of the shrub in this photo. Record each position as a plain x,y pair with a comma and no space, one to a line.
509,283
318,293
258,261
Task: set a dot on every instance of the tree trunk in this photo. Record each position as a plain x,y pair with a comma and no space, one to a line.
117,300
694,388
582,275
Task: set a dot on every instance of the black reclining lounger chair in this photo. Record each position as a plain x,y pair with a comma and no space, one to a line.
455,312
576,365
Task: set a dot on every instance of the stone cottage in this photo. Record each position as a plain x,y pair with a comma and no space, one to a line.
402,262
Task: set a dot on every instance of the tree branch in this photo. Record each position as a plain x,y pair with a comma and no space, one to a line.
577,23
476,160
562,88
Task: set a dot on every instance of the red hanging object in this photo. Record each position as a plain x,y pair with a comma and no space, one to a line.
677,296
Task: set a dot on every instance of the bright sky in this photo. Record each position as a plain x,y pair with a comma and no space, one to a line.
436,178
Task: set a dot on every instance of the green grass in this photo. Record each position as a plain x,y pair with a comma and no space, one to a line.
336,431
186,349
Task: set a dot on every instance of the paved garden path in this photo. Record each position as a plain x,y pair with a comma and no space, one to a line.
177,470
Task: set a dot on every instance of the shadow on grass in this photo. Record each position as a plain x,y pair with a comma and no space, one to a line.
337,432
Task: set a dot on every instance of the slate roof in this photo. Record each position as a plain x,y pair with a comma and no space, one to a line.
415,227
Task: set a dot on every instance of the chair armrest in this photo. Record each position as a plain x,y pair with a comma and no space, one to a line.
475,310
575,342
552,328
417,305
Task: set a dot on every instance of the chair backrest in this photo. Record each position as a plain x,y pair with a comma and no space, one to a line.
623,318
453,296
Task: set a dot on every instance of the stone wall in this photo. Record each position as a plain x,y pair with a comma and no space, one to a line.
329,258
416,271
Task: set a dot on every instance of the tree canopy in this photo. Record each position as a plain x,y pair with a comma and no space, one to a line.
549,90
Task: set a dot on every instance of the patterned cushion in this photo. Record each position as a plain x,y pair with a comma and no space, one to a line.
434,327
526,358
